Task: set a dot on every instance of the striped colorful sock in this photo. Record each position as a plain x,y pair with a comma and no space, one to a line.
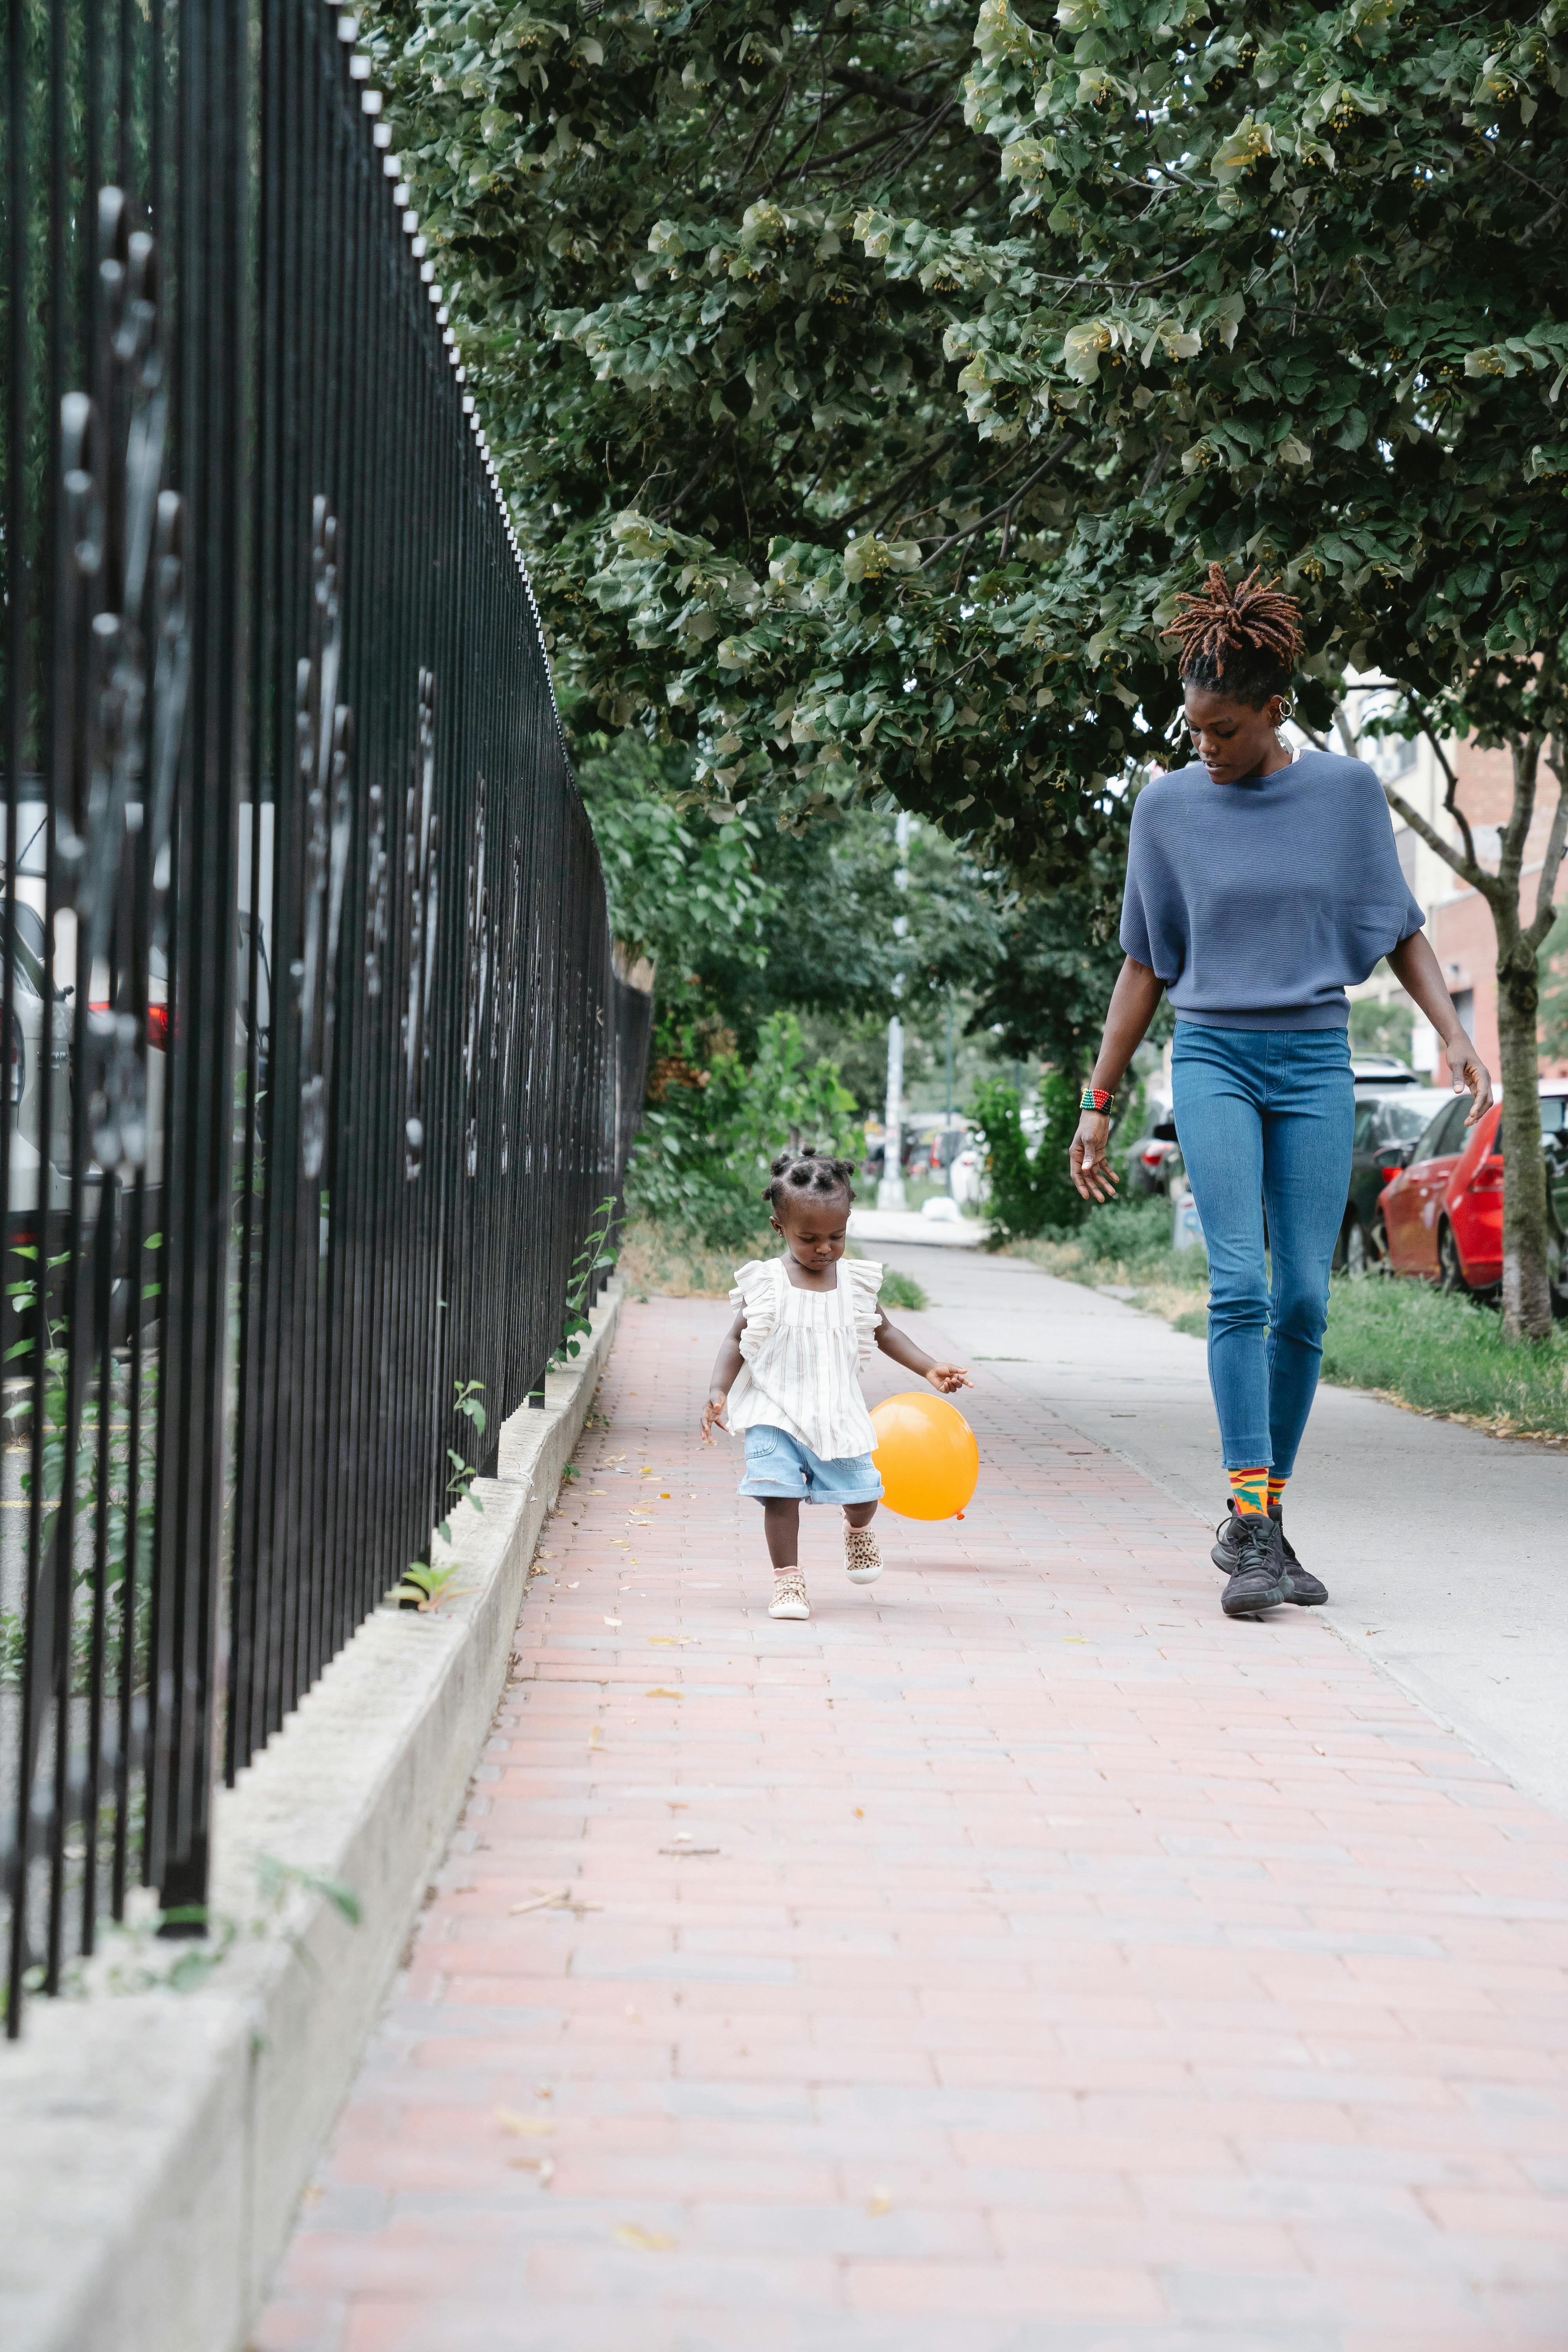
1276,1492
1249,1491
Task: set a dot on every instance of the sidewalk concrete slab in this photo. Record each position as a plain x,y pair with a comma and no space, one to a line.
1445,1550
1015,1958
913,1230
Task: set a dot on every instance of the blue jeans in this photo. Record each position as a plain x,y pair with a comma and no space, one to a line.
1264,1119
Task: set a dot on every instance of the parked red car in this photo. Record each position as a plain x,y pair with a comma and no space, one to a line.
1440,1218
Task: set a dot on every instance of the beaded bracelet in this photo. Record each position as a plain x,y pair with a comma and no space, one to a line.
1098,1098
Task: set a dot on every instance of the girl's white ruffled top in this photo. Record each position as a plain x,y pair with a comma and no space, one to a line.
801,1355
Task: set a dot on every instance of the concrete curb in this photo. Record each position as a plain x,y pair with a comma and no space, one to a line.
153,2144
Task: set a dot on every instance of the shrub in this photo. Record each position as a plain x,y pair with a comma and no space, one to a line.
702,1160
1031,1190
900,1289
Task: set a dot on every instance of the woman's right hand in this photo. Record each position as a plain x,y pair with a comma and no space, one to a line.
1092,1173
713,1414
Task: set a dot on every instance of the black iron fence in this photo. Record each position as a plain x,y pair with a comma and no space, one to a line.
319,1067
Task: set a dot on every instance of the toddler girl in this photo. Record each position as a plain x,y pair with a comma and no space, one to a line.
789,1369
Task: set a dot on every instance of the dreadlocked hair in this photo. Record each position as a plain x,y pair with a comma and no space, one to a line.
1243,643
802,1175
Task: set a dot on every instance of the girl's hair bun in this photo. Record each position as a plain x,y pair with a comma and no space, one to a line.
809,1172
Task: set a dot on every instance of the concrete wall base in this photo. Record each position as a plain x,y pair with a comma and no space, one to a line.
153,2144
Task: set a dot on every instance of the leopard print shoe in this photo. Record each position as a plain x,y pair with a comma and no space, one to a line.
862,1555
789,1596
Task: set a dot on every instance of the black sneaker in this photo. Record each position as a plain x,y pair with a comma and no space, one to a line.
1247,1547
1305,1589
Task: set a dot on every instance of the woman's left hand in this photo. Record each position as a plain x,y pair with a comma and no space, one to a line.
1468,1070
1092,1173
949,1378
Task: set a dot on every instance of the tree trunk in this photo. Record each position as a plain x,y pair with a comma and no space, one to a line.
1526,1283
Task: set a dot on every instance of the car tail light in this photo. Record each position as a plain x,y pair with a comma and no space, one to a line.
1154,1154
157,1024
1488,1177
1388,1175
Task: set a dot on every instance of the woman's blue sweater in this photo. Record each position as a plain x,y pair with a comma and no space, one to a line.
1256,903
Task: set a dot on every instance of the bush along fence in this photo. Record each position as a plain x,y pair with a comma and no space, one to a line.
320,1070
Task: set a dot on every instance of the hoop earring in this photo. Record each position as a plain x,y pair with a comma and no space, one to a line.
1286,709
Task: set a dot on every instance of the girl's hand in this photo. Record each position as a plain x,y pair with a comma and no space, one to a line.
949,1378
713,1414
1093,1174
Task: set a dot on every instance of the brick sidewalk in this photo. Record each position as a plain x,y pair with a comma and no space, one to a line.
927,1986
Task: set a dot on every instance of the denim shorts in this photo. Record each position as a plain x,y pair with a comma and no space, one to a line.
781,1468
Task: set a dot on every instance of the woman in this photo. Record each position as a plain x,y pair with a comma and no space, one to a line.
1257,885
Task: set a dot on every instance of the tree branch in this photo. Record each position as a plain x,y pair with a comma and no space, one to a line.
764,130
921,140
796,144
704,467
1006,509
878,86
1465,867
957,211
889,133
1556,843
971,490
1510,847
884,498
1450,802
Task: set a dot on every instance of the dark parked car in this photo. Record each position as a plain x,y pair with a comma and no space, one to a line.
1152,1160
1387,1122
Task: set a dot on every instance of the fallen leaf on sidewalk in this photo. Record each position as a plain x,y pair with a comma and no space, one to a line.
594,1739
524,2126
879,2204
612,1620
543,2165
541,1902
1075,1637
642,2241
664,1694
680,1852
669,1641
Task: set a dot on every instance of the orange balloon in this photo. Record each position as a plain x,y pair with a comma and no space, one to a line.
926,1454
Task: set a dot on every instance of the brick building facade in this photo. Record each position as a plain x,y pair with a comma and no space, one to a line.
1458,919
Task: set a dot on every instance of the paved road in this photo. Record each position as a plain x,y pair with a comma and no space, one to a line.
1446,1552
1017,1957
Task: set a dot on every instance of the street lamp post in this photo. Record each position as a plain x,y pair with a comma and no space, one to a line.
890,1191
